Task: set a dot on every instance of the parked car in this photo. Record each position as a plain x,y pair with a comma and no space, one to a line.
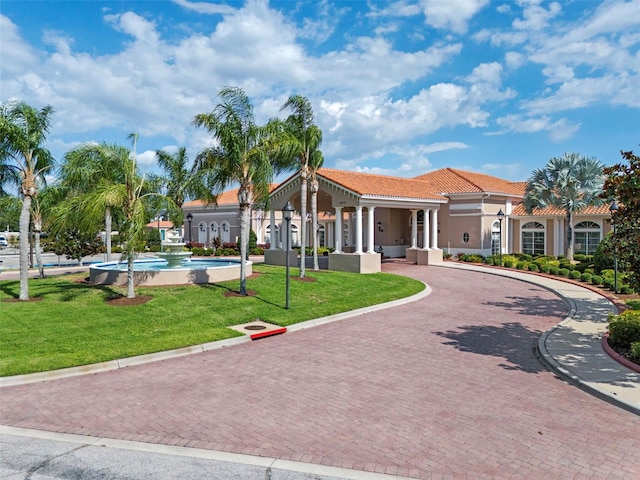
3,241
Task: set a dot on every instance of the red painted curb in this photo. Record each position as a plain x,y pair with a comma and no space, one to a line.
268,333
616,356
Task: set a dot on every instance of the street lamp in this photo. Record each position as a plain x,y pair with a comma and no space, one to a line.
189,219
287,214
500,218
613,208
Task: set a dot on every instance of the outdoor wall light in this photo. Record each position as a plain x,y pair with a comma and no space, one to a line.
225,228
380,227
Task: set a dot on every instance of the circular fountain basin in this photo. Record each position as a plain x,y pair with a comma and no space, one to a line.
156,271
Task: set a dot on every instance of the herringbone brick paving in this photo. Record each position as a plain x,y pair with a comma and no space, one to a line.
446,386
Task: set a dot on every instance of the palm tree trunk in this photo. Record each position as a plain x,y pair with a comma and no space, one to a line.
569,246
245,213
314,222
303,220
37,228
24,247
107,229
130,290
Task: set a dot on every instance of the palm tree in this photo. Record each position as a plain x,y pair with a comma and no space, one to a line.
128,197
243,154
570,182
87,166
42,205
308,139
23,130
314,164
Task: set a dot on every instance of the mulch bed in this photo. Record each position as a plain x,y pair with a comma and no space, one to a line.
127,302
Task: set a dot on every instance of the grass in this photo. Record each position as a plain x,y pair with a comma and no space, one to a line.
73,324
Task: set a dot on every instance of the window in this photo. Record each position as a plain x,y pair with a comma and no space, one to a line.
465,237
495,238
267,234
321,236
533,238
586,237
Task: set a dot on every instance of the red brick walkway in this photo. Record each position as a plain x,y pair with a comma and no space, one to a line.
446,386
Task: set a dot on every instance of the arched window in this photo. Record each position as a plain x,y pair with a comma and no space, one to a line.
321,236
225,235
533,238
495,238
586,237
213,231
294,235
202,233
267,234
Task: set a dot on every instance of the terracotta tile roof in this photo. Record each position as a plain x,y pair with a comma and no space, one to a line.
519,211
381,185
228,197
163,224
451,180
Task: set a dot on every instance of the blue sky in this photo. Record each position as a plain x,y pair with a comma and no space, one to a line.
398,88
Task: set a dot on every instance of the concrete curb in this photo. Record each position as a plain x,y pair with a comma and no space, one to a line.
181,352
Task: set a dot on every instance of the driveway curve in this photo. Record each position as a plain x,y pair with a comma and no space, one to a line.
445,386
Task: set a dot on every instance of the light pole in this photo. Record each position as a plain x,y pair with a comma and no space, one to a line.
500,218
287,214
189,218
613,208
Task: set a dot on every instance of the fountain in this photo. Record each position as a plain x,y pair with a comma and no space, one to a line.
174,267
173,249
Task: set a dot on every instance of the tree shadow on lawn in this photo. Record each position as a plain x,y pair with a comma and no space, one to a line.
67,290
513,341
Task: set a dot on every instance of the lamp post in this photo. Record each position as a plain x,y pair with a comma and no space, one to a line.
189,219
613,208
500,218
287,214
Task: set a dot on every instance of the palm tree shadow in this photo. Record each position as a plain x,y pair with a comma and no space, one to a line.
226,288
513,341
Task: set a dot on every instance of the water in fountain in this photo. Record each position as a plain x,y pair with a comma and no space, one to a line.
173,249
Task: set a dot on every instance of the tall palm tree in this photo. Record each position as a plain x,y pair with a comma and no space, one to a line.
87,166
300,125
243,154
23,132
42,205
315,163
570,182
128,197
179,181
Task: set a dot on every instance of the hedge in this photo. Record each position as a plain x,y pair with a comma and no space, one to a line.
624,329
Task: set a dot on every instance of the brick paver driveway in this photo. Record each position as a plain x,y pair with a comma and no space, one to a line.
446,386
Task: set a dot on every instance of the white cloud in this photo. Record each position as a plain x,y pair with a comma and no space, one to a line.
537,17
206,7
451,14
557,130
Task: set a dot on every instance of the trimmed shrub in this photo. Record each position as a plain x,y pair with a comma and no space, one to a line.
596,280
585,277
521,265
525,257
508,264
545,268
624,329
633,304
198,251
574,275
635,350
564,272
554,270
626,290
489,261
533,267
608,283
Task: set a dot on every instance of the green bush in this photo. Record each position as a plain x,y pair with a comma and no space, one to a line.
607,273
545,268
596,280
585,277
574,275
554,270
633,304
564,272
489,261
533,267
608,283
521,265
472,257
624,329
508,264
207,252
198,251
525,257
635,350
581,267
626,290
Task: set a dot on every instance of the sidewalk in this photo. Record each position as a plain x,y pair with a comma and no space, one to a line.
573,349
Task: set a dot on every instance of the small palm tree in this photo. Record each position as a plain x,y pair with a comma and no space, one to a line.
23,131
315,163
42,206
570,182
308,137
243,154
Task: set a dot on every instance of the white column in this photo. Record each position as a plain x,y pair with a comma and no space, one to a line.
425,229
414,229
350,237
358,229
370,232
434,230
338,230
272,229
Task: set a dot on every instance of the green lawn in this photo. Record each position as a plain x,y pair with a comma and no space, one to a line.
74,325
